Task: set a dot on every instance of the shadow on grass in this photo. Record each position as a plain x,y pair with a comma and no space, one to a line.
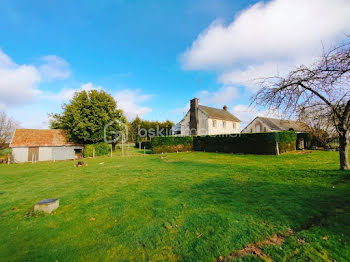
280,202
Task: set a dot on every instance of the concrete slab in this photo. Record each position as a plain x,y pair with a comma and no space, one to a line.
47,205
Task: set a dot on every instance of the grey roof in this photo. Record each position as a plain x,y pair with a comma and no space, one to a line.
284,125
216,113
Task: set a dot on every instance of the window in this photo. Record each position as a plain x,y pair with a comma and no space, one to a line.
223,124
214,123
257,128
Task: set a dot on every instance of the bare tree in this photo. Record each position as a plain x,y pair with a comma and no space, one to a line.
320,123
323,86
7,127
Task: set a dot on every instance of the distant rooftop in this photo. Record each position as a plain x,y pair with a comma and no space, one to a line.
284,125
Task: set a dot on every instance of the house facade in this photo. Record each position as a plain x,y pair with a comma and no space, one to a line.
265,124
43,145
203,120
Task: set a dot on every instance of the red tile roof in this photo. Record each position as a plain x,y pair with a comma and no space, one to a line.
40,137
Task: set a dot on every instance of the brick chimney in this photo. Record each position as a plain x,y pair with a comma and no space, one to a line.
194,116
225,108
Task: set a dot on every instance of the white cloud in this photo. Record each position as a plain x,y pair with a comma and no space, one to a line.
67,93
274,30
223,96
130,100
18,83
54,68
254,73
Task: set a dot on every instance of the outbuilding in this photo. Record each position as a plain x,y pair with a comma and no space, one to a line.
43,145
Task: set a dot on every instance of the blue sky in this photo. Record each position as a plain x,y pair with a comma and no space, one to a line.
153,56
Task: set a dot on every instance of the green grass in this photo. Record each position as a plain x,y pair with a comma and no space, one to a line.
176,207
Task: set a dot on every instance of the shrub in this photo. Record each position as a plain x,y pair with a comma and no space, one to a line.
5,151
144,144
286,141
101,149
167,144
256,143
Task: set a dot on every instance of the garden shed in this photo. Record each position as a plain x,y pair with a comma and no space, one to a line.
43,145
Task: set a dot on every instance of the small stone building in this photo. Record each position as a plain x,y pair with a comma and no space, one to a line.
43,145
203,120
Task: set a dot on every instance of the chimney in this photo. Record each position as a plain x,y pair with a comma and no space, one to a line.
225,108
194,116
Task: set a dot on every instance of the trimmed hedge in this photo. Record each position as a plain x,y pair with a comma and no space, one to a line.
144,144
256,143
101,149
167,144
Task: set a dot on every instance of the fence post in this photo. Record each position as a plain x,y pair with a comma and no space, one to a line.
8,158
277,149
111,151
93,152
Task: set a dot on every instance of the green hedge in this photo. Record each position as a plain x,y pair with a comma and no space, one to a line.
144,144
5,152
101,149
167,144
256,143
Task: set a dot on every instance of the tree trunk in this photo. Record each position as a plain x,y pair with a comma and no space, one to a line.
113,146
344,152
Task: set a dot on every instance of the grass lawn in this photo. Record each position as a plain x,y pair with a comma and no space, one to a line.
177,207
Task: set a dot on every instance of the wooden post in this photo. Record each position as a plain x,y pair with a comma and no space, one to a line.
93,152
8,158
140,145
144,150
277,149
32,158
111,151
122,145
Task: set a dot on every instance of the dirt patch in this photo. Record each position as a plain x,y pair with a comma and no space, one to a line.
255,249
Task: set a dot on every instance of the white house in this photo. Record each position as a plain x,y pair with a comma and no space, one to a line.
265,124
204,120
43,145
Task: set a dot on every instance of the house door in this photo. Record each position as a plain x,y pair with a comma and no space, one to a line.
33,153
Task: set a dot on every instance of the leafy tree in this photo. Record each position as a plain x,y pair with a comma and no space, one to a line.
145,130
323,87
86,116
133,130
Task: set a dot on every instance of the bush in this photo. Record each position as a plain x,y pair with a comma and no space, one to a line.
101,149
144,144
5,152
286,141
256,143
171,149
167,144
